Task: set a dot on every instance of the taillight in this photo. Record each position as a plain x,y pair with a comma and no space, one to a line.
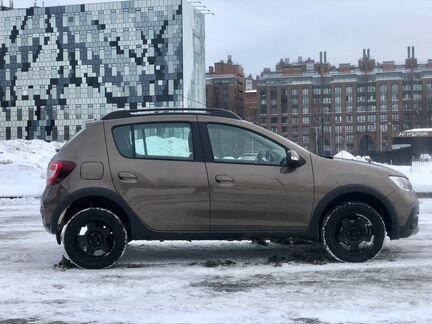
58,171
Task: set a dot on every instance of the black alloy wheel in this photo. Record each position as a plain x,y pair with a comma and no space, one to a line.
353,232
94,238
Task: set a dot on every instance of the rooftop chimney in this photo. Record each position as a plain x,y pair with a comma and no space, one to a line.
321,58
412,51
409,52
325,57
229,59
368,53
211,69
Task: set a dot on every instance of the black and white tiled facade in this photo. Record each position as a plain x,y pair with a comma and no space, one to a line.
61,66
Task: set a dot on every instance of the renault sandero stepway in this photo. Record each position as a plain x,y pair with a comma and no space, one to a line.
205,174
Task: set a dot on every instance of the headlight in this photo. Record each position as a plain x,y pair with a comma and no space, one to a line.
402,183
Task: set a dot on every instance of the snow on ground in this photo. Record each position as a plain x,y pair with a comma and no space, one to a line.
170,282
23,166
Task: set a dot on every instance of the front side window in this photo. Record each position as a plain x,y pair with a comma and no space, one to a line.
155,141
237,145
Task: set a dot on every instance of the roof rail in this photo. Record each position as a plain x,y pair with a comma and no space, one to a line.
168,111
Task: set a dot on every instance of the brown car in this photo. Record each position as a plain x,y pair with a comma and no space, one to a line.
201,174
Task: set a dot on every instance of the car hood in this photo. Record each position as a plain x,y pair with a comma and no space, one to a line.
334,173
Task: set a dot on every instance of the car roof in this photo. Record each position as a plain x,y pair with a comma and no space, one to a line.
120,114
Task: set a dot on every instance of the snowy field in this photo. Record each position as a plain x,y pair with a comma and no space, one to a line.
210,282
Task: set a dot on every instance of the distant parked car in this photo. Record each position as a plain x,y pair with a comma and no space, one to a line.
208,175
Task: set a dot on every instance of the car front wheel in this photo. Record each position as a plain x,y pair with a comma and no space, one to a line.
94,238
353,232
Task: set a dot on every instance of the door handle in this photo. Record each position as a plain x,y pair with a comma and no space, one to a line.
127,177
224,179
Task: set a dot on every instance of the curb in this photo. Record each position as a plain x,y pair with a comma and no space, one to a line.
424,194
19,197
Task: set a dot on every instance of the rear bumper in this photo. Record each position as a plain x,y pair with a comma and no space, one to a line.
47,211
46,224
411,226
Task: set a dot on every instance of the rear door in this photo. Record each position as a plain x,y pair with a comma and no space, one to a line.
250,188
158,169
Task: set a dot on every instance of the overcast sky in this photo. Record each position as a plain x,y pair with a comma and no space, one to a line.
257,33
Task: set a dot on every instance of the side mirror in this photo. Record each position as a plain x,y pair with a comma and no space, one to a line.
294,160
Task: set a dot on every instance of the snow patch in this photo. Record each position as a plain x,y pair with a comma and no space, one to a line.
23,166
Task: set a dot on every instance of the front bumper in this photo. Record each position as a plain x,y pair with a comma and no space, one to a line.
411,226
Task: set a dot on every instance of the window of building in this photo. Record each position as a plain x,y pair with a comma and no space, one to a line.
361,118
383,117
284,101
371,118
263,102
305,120
273,102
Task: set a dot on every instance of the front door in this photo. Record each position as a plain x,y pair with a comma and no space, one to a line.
156,169
250,188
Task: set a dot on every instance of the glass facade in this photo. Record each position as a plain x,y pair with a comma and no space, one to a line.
61,66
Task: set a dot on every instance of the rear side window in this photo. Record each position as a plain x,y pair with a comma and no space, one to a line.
157,141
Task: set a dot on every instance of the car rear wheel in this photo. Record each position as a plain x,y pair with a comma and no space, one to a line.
94,238
353,232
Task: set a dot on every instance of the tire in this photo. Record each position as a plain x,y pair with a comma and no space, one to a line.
94,238
353,232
